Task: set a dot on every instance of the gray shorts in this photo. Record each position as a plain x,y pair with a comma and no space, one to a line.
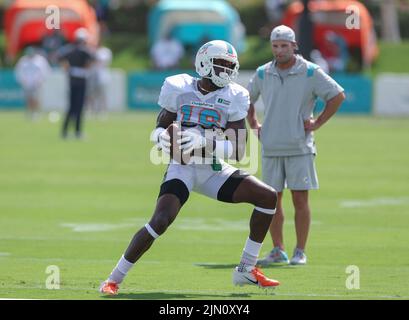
292,172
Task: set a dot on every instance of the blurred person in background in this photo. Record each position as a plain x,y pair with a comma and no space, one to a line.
98,81
76,59
31,71
274,10
102,9
317,58
335,52
51,43
166,53
289,86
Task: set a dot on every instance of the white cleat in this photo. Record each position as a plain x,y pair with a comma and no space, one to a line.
253,276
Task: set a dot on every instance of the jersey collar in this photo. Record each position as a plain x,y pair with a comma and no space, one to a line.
202,96
297,68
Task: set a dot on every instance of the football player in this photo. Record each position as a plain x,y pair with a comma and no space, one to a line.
212,103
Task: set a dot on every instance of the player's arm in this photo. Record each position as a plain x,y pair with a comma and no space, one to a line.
254,93
331,92
62,56
165,118
64,65
236,134
252,117
330,109
253,121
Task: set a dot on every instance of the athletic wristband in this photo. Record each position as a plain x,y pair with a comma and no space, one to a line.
223,149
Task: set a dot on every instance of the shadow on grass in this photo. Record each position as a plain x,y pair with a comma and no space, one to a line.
176,295
232,266
192,295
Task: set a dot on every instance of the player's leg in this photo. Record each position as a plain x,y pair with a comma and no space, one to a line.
79,106
167,208
35,102
277,254
31,105
102,99
302,219
71,111
264,198
32,102
69,117
276,226
301,177
174,192
234,186
173,195
274,175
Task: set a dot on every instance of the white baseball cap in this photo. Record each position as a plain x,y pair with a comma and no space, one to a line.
81,34
282,33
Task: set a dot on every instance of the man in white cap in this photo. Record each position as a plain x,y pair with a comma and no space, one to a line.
289,86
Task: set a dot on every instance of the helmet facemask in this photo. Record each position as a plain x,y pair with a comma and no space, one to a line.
223,71
217,61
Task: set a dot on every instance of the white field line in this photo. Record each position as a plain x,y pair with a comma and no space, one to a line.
181,224
375,202
191,224
80,260
59,238
94,227
18,299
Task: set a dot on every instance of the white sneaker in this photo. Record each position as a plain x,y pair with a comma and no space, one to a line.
299,257
253,276
274,256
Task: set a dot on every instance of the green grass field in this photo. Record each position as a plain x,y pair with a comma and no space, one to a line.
76,205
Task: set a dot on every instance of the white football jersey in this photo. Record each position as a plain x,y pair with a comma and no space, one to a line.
180,94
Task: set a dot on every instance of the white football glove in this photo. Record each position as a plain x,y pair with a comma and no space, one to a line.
162,139
191,139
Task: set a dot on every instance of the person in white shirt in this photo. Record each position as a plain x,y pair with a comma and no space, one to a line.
166,53
31,71
98,81
274,10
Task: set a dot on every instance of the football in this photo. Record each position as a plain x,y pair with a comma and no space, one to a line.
175,152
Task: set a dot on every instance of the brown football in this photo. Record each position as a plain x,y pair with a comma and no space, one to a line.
175,152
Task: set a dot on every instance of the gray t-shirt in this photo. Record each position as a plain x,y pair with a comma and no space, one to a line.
288,101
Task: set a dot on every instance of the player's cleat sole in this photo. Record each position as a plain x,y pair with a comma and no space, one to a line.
298,262
109,288
255,277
